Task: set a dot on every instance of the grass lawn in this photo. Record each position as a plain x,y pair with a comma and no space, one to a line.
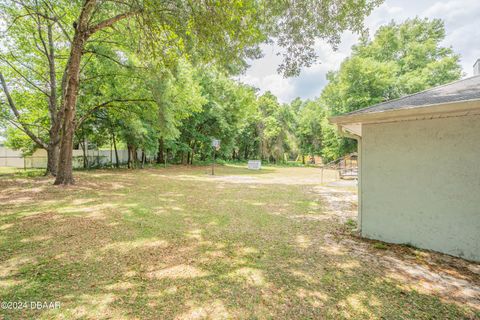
177,243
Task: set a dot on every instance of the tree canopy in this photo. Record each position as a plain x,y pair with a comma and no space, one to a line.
401,59
156,79
69,35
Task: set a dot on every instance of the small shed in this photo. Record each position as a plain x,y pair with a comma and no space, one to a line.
419,168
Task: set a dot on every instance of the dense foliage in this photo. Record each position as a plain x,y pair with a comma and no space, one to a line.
56,59
401,59
163,89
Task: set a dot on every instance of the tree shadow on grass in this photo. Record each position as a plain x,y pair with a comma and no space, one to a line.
180,252
114,277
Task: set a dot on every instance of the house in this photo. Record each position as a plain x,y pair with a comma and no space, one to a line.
419,163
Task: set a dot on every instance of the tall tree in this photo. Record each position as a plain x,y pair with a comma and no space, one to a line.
309,127
225,32
401,59
31,67
178,96
226,105
275,128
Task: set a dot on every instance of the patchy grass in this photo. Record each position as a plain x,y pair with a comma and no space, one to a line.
18,172
177,243
351,224
380,246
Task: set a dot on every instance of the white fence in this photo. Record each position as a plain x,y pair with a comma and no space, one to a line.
12,158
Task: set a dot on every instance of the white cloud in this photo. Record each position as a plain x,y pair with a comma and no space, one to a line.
463,28
279,86
263,75
454,10
462,33
383,15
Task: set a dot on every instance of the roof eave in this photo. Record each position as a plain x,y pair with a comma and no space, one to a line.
449,109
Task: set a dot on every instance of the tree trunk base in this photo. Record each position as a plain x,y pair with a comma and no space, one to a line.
65,181
49,173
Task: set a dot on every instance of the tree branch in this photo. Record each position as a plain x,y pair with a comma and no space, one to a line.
23,77
58,20
110,22
106,57
26,66
107,104
42,40
32,136
52,101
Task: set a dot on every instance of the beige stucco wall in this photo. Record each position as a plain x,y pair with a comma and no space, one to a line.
420,184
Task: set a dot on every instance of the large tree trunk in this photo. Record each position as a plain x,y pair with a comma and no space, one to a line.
54,132
161,150
52,160
82,31
64,173
132,157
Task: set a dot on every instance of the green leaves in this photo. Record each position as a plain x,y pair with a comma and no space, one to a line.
152,69
297,24
310,127
226,106
229,32
178,96
401,59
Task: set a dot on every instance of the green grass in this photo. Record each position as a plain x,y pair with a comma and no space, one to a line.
380,246
351,224
178,243
18,172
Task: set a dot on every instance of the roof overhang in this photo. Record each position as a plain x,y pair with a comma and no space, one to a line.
352,123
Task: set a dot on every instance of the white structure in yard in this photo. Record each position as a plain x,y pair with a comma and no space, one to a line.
254,164
419,180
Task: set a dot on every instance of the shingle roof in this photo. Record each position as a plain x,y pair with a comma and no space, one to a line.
462,90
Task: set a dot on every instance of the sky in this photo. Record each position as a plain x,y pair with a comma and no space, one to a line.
462,26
